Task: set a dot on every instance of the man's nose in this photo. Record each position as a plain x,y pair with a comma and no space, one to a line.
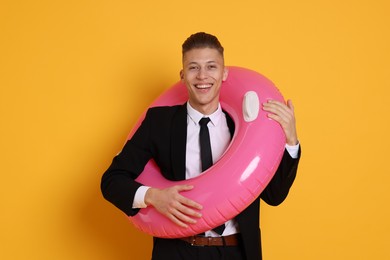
202,74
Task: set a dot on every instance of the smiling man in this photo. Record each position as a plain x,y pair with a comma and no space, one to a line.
172,136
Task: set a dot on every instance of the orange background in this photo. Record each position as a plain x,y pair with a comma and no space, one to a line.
75,76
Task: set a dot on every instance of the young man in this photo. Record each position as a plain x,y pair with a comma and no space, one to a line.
170,135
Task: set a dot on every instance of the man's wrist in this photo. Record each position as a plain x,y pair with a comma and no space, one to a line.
293,150
139,198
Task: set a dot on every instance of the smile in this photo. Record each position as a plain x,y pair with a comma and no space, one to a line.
203,86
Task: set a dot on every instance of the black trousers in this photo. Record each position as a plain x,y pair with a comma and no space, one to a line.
176,249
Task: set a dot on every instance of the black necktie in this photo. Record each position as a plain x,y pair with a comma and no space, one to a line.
206,155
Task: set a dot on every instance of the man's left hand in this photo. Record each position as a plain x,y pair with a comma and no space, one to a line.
284,115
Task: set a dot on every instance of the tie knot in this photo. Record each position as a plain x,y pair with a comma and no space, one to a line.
204,121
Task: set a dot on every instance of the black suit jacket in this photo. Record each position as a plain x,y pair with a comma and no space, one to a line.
162,136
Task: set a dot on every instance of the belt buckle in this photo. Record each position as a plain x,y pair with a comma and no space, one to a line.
193,242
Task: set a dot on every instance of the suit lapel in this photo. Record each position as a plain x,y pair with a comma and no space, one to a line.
178,143
230,124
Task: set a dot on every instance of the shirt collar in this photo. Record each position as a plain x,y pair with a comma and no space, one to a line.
195,115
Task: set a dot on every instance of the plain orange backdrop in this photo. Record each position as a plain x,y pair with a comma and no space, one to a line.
76,75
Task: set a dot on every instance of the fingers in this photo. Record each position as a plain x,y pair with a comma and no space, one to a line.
279,111
181,216
183,210
185,200
284,115
179,209
290,105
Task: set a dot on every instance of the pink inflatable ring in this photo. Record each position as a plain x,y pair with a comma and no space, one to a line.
244,170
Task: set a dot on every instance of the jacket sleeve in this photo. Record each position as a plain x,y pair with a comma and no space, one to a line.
118,183
279,186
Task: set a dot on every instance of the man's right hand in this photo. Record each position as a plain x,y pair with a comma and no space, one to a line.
169,202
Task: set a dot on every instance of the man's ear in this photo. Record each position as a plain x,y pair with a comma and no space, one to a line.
181,75
225,73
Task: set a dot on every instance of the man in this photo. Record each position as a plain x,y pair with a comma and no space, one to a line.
170,135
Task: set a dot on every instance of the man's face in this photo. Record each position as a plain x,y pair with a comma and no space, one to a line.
203,73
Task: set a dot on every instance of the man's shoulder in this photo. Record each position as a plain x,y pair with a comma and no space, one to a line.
165,110
164,114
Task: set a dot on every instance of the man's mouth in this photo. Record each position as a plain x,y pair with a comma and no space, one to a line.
203,86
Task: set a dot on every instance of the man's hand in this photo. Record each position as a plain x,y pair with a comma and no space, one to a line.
284,115
173,205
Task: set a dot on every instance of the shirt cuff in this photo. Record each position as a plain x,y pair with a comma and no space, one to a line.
139,198
293,150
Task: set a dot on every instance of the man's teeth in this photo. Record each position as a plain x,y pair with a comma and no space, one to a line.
203,86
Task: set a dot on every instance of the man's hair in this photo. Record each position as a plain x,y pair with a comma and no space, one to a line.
202,40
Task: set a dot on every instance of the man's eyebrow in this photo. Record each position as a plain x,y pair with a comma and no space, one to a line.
196,63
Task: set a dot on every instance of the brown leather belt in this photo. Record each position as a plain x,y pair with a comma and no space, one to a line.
231,240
